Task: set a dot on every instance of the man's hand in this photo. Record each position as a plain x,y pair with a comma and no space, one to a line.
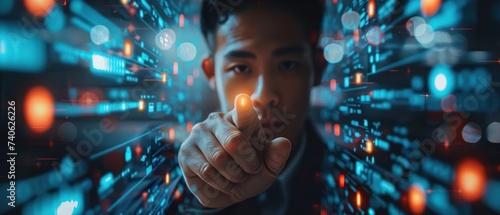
227,158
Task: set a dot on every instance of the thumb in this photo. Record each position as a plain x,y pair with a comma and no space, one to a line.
276,154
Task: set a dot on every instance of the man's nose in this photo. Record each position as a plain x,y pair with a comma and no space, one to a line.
266,92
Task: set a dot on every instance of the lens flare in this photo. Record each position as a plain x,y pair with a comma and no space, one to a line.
39,8
429,7
417,199
470,179
39,109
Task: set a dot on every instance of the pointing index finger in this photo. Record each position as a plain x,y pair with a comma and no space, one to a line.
244,116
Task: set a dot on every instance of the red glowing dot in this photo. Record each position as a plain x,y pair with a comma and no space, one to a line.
336,130
417,199
190,80
39,109
324,212
429,7
176,68
177,194
328,127
88,99
470,179
189,127
341,180
130,28
355,35
39,8
138,150
181,20
171,134
333,85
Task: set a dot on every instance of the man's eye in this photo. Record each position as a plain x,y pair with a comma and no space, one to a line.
289,65
240,69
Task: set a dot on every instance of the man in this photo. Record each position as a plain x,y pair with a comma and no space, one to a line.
259,155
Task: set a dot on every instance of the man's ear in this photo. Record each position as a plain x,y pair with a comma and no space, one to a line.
209,69
319,66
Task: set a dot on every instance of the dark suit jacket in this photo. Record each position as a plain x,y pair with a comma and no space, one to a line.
306,184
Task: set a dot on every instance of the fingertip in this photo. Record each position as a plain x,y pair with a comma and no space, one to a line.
283,145
242,101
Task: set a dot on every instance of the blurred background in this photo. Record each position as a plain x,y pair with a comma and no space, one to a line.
106,90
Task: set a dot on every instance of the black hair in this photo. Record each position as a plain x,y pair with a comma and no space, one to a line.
308,12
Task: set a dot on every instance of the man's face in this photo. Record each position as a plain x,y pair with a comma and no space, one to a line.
264,53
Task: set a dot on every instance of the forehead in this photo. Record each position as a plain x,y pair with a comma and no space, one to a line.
260,27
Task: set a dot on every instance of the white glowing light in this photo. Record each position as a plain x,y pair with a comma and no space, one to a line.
471,132
165,39
100,62
492,132
333,53
424,33
375,36
186,51
440,82
67,207
413,23
350,20
99,34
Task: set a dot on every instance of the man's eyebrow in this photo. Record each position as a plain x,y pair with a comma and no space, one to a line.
239,54
288,50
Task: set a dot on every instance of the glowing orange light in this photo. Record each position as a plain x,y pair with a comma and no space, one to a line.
138,150
429,7
124,2
324,212
88,99
328,127
39,8
181,20
359,77
242,101
171,133
369,146
355,35
177,194
371,8
141,105
417,199
39,109
176,67
333,85
358,199
127,48
190,80
341,180
335,1
167,178
470,179
189,126
164,77
336,130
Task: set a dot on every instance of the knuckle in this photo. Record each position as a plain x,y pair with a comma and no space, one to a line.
199,128
207,171
219,157
234,139
214,116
